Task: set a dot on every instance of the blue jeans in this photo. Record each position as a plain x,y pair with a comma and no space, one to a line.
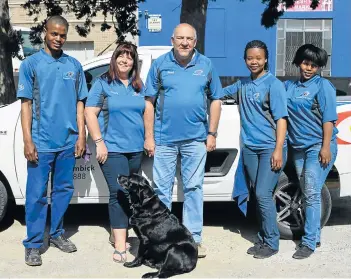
115,165
61,165
258,166
312,176
193,159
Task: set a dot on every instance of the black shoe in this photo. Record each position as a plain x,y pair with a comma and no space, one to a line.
265,252
253,250
318,244
32,257
64,244
302,252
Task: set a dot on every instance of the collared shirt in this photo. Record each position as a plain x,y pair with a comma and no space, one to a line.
262,103
55,86
121,116
310,104
181,97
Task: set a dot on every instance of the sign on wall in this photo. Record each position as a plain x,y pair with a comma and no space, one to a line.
154,23
305,6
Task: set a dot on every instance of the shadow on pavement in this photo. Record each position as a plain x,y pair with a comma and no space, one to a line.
341,212
13,213
216,214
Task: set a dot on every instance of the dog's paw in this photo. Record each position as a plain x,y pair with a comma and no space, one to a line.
150,275
132,264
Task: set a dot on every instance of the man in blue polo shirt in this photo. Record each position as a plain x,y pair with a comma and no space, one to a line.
52,89
177,89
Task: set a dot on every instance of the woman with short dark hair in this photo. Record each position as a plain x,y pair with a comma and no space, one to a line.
312,135
114,115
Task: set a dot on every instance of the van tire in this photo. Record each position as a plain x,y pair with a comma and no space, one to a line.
3,201
288,198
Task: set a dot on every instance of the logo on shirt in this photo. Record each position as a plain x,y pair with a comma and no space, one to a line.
20,87
304,95
135,94
198,73
69,75
256,96
114,92
170,72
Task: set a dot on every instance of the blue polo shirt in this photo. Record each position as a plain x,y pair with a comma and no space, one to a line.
181,97
262,103
55,86
121,116
310,104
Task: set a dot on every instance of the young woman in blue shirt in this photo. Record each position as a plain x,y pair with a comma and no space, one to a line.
114,115
312,136
263,113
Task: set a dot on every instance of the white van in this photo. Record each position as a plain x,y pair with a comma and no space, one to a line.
91,187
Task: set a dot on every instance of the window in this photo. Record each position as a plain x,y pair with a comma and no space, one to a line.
92,74
292,33
28,48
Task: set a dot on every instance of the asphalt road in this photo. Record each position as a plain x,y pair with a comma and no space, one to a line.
227,235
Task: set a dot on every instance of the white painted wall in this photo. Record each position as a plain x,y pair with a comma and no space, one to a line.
80,50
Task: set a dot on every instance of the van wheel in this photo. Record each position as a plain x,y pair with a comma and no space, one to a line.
3,200
290,212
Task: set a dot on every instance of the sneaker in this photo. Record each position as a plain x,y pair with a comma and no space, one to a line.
32,257
265,252
302,252
62,243
253,250
201,251
318,244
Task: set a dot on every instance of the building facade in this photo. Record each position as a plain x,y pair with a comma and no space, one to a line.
76,46
231,24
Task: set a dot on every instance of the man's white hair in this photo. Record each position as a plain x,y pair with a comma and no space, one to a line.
195,33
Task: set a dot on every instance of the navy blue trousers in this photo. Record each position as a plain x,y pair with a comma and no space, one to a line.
61,165
115,165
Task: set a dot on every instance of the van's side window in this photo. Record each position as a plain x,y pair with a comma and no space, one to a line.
92,74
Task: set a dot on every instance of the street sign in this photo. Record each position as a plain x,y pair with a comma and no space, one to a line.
154,23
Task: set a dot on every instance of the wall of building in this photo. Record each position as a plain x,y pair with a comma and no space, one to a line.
99,40
232,23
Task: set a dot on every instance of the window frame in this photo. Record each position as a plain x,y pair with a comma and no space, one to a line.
283,28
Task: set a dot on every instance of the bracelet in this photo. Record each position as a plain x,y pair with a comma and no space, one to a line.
98,140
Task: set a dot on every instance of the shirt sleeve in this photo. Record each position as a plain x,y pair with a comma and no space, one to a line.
278,100
287,84
152,81
215,86
82,85
232,90
96,95
25,81
326,98
142,89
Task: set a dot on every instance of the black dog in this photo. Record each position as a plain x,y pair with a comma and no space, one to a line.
165,244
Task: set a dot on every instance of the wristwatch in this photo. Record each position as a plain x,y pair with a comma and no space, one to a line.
214,134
